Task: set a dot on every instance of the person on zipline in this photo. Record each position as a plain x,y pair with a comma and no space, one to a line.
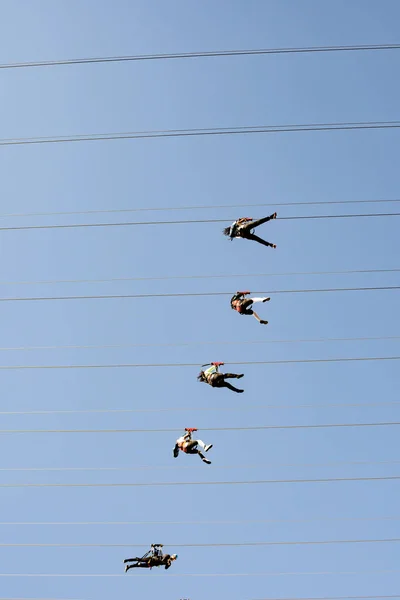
243,305
213,377
244,228
153,558
189,446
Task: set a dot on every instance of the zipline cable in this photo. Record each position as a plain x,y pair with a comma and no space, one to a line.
206,131
169,575
240,522
168,365
185,344
212,467
208,545
202,54
332,597
255,428
247,407
184,222
196,483
199,207
219,276
191,294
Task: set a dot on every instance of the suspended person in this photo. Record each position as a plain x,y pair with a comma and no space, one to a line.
213,377
153,558
242,305
189,446
244,228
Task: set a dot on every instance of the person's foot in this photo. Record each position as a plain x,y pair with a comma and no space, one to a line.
266,299
175,452
240,391
208,447
126,568
240,376
274,245
274,215
264,322
205,460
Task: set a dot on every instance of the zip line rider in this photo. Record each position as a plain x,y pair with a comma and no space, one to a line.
213,377
189,446
243,305
152,558
244,228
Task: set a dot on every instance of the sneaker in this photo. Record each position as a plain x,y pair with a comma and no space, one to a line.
208,447
175,453
274,215
274,245
208,462
266,299
264,322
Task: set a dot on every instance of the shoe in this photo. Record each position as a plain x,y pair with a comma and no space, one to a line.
208,447
274,245
175,452
264,322
208,462
266,299
126,568
240,376
240,391
274,215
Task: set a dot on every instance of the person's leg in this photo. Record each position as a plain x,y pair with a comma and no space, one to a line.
203,458
232,375
255,238
231,387
253,224
203,446
255,315
131,559
254,300
136,566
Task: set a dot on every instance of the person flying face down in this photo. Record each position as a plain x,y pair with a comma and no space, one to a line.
153,558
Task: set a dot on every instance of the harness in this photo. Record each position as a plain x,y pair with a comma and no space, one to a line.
237,303
239,227
182,445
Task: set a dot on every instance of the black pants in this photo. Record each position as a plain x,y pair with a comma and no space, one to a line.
245,307
218,380
191,447
146,564
138,563
245,231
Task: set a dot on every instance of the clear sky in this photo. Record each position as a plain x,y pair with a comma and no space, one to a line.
289,167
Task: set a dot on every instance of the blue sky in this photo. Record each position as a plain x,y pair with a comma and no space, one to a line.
297,167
